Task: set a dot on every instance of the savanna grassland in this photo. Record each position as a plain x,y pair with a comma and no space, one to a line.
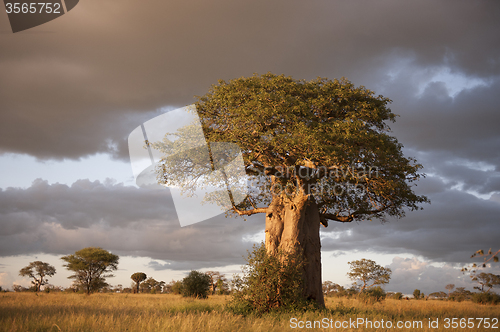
149,312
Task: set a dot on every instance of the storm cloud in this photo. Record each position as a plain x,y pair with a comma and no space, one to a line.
78,85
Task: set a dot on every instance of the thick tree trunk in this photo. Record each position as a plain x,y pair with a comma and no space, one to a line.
293,223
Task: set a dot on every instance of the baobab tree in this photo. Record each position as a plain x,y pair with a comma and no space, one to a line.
315,151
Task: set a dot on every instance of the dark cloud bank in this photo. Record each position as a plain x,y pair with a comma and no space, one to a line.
103,69
96,74
60,219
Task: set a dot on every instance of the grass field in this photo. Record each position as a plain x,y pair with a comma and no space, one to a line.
144,312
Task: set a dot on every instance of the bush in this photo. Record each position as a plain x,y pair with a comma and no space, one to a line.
396,296
196,284
372,295
460,294
486,298
270,283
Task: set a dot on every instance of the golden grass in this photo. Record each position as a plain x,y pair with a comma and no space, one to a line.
144,312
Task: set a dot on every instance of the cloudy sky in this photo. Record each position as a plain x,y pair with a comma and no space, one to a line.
72,90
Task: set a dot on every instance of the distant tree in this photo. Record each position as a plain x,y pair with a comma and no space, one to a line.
397,296
152,286
416,294
214,280
366,270
138,277
236,283
331,288
19,288
176,287
38,271
488,280
449,287
196,284
91,266
460,294
372,295
222,286
438,295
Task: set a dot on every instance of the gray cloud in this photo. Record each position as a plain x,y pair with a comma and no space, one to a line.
409,274
60,219
450,229
102,71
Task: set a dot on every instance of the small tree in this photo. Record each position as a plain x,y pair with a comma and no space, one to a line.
176,287
138,277
196,284
90,266
152,286
416,294
372,295
439,295
366,270
214,277
38,271
222,286
330,288
397,296
449,287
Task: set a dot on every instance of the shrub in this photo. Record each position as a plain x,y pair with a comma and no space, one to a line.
196,284
270,283
485,298
372,295
460,294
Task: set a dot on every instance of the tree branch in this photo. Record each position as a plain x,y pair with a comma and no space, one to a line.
250,212
350,217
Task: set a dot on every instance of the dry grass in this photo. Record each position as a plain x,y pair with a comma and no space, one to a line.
129,312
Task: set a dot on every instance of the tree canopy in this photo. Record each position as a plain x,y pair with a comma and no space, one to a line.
38,271
196,284
91,266
368,273
138,277
327,134
488,280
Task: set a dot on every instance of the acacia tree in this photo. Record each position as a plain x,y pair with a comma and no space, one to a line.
366,271
449,287
152,286
38,271
488,280
138,277
316,151
91,266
